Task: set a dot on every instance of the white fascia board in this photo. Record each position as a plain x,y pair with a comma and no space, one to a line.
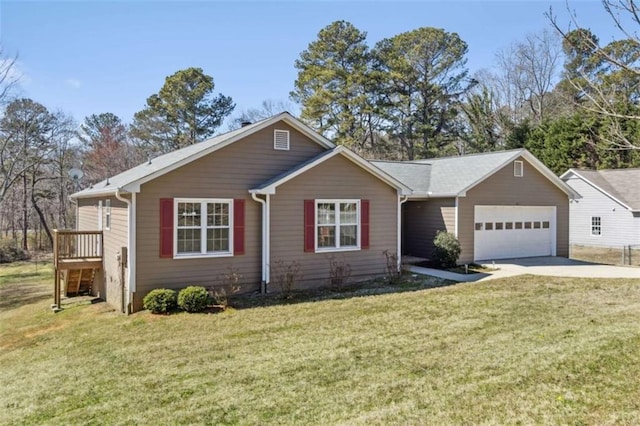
100,193
602,190
359,161
134,186
537,164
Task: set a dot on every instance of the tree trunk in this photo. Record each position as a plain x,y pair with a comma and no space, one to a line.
25,214
43,220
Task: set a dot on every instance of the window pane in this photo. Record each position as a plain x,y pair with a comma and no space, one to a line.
518,225
499,226
527,225
218,240
488,226
545,225
326,236
188,214
217,214
188,241
508,225
478,226
348,236
326,214
536,225
348,213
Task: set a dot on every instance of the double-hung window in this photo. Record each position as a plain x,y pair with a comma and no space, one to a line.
337,223
203,227
596,226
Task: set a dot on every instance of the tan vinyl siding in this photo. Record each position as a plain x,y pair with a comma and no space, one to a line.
337,178
502,188
422,220
114,239
227,173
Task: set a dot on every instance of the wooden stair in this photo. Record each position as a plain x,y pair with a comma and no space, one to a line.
78,281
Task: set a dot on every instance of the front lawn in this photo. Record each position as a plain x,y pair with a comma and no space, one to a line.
518,350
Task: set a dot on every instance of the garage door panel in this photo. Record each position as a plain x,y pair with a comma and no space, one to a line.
513,231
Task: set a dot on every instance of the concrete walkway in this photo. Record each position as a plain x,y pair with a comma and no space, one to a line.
546,266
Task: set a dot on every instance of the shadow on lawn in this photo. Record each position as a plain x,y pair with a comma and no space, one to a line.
368,288
20,294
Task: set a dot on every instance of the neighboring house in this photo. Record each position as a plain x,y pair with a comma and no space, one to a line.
268,192
500,205
607,214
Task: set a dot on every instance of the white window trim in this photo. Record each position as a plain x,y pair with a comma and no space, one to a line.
337,225
99,215
517,163
275,147
591,226
203,228
107,215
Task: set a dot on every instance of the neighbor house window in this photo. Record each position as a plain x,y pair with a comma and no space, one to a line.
596,225
518,169
203,227
337,223
107,217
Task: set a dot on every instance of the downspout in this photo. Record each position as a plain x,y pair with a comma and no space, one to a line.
455,229
265,256
131,246
401,201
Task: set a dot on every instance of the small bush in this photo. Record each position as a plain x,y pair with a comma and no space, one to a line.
11,252
230,286
160,301
339,273
393,272
286,276
447,249
193,298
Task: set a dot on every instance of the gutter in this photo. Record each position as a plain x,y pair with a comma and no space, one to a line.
265,240
401,201
131,246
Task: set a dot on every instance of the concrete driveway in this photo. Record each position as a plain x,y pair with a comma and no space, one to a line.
561,267
547,266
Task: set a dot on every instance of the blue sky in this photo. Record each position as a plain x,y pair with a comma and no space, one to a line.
93,57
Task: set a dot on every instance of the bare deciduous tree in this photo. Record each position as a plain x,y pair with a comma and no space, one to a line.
612,67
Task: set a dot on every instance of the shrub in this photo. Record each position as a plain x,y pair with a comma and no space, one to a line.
230,286
339,273
286,276
193,298
160,301
447,249
11,252
393,272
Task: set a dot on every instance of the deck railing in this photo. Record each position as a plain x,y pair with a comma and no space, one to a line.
76,245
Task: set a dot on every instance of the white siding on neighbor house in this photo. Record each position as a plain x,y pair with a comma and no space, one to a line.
619,226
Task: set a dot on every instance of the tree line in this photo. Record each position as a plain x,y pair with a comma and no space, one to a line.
561,94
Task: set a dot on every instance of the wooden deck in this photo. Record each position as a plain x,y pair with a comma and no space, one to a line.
77,255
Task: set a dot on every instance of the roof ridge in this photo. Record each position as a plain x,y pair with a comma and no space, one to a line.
476,154
401,162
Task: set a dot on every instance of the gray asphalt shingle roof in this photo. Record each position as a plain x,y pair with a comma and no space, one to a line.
159,163
447,176
622,184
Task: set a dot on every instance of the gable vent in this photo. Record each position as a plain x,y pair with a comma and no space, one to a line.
281,140
518,168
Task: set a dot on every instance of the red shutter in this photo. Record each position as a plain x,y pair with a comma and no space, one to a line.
364,224
238,227
166,227
309,225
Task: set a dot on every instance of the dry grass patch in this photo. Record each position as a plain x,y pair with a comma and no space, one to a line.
519,350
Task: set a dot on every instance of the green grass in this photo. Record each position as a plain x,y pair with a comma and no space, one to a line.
518,351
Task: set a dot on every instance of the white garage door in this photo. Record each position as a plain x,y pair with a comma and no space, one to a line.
503,232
